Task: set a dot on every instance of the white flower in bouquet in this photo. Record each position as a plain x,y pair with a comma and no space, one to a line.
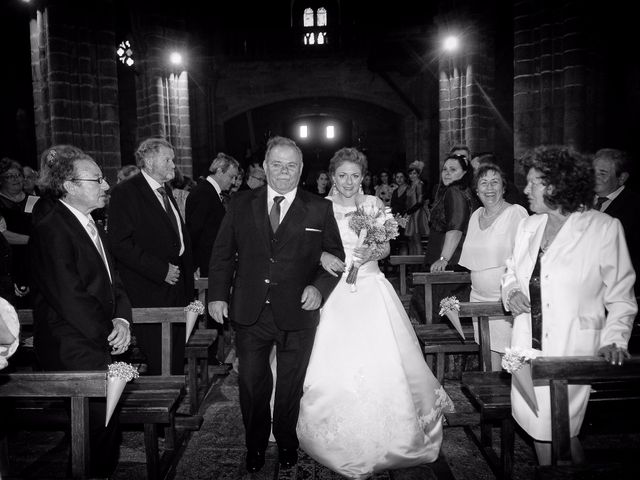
515,358
119,373
193,310
195,306
450,306
375,225
517,361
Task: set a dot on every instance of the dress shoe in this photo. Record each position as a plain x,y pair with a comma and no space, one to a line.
288,457
255,461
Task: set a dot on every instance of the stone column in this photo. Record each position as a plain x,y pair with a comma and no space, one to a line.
162,89
75,80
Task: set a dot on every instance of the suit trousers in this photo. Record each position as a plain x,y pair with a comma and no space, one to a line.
293,350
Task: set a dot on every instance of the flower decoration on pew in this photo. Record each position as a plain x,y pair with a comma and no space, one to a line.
117,377
517,361
192,311
375,226
450,306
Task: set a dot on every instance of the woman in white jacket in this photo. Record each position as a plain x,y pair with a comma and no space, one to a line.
569,283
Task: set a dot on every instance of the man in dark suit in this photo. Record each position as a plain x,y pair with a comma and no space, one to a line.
278,233
612,170
152,247
81,311
204,210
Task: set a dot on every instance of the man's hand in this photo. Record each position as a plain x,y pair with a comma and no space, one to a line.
120,336
219,310
614,354
173,274
332,264
311,298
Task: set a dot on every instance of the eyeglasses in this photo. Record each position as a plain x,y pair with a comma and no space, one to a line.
12,176
99,180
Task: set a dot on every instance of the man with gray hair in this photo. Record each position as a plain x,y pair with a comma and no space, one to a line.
205,209
152,246
612,170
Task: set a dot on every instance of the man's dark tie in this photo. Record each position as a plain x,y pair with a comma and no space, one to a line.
168,209
599,202
274,214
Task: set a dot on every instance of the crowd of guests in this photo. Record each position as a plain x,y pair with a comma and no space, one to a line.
561,256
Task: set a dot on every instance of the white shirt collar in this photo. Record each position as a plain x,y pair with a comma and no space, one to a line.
151,181
288,197
212,181
82,218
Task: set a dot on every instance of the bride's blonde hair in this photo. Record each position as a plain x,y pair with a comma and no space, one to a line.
348,154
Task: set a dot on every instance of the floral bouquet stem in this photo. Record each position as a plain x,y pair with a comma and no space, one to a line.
192,311
353,269
119,374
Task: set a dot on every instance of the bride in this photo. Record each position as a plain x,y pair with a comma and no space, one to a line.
370,402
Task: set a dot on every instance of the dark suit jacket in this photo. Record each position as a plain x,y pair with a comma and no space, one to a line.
204,214
74,300
280,265
625,208
143,243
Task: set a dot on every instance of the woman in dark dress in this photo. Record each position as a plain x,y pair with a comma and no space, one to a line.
452,206
16,211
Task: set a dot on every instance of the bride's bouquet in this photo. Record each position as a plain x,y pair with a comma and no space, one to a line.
375,226
517,361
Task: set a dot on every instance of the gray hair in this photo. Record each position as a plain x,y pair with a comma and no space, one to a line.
223,162
149,147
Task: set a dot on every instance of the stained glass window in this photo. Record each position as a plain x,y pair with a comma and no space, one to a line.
125,53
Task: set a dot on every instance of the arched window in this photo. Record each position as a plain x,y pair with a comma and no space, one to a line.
315,23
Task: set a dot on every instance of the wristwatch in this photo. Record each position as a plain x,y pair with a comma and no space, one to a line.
445,259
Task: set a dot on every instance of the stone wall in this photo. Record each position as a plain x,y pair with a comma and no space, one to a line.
75,80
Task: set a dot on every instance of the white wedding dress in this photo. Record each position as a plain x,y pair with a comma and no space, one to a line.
370,402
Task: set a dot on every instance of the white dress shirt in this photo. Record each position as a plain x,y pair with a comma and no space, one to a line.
285,204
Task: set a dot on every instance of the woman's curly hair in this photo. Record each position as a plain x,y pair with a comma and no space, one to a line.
567,171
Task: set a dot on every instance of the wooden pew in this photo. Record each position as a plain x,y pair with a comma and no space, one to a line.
153,400
490,392
196,350
429,279
616,387
441,339
402,261
78,386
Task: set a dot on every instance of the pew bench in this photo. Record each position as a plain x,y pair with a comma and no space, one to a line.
441,339
150,401
402,261
76,386
615,395
429,279
196,349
